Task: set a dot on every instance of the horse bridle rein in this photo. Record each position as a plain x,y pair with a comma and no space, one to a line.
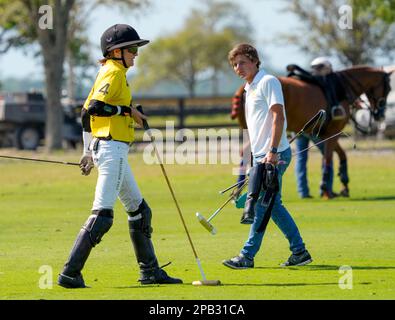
379,103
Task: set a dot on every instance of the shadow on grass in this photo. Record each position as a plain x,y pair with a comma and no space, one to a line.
249,285
149,286
316,267
279,284
373,198
319,267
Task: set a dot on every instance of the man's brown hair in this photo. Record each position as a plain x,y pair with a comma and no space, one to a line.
246,50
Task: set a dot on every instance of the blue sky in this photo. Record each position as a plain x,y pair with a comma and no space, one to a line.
267,16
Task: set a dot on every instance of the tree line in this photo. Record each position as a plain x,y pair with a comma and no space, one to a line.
198,50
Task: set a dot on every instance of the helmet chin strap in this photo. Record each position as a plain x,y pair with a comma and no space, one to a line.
122,58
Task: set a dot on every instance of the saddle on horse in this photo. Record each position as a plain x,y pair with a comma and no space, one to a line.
330,85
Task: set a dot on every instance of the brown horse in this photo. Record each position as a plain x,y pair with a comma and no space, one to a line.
303,100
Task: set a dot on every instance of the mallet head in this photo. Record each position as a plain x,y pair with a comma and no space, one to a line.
206,283
207,225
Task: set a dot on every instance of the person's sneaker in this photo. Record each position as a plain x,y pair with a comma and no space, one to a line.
71,282
300,259
239,262
158,276
307,196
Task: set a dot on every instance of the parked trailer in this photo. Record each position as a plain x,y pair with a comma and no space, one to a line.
22,121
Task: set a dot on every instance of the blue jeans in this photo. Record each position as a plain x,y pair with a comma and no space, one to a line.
280,216
301,143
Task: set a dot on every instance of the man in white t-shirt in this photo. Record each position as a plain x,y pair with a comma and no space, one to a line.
266,121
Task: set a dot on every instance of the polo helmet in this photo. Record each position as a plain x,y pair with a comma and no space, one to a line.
120,36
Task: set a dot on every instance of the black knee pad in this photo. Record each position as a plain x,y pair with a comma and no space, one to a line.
98,223
140,220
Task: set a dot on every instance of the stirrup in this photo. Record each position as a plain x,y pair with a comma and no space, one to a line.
338,113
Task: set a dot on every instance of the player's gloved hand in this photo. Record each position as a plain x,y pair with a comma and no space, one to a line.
86,164
126,111
138,117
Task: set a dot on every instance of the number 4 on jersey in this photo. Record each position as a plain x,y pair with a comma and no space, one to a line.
104,89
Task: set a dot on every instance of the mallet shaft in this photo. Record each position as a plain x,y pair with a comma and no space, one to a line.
226,202
147,128
233,186
220,208
41,160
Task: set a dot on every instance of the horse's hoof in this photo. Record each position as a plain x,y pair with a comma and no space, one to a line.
345,193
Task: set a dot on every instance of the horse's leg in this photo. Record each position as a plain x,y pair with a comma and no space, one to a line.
343,170
327,171
302,143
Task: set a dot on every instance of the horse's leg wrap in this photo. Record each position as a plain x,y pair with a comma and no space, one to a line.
91,233
343,174
255,182
325,189
140,233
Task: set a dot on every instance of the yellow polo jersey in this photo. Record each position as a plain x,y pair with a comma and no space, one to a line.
112,88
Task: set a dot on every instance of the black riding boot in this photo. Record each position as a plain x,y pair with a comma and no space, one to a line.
140,233
90,234
256,178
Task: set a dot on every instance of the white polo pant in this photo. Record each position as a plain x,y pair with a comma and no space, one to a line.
115,177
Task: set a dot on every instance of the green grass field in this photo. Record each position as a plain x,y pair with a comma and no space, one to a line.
43,207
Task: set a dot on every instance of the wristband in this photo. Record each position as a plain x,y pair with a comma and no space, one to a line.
87,139
126,110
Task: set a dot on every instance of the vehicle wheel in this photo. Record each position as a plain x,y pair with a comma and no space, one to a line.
27,138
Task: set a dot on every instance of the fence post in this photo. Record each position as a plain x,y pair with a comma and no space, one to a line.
181,113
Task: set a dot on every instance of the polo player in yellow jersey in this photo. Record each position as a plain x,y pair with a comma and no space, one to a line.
108,129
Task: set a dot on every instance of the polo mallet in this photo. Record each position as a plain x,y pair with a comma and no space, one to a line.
41,160
317,119
204,281
206,222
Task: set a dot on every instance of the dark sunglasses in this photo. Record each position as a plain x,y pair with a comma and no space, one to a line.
132,50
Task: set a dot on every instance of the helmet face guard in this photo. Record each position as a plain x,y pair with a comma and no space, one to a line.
120,36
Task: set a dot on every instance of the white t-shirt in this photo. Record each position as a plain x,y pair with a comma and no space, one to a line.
261,94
